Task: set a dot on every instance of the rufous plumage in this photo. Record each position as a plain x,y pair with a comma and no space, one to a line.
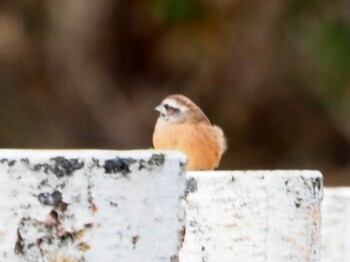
183,126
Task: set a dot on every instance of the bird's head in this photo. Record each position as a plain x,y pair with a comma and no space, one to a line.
179,109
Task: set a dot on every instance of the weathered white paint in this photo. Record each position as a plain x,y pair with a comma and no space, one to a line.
336,225
91,205
252,216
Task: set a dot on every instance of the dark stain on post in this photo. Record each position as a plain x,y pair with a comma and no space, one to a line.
92,205
118,165
9,162
60,168
143,164
134,240
182,234
298,202
305,181
113,204
156,159
287,187
54,220
44,167
64,166
88,225
286,182
183,165
191,186
62,206
83,246
19,246
95,162
316,183
67,237
50,199
25,161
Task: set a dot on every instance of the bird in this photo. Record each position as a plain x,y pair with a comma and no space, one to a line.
183,126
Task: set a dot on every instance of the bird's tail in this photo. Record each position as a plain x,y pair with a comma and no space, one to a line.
223,141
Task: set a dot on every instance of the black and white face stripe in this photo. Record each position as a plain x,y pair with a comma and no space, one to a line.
172,104
171,111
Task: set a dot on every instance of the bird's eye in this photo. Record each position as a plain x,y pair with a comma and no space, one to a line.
166,106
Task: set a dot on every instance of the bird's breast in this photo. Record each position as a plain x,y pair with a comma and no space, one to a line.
165,136
198,142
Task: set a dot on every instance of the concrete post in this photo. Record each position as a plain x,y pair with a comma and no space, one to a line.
336,225
252,216
94,205
65,206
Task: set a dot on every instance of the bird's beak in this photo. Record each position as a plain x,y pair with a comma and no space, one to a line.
158,109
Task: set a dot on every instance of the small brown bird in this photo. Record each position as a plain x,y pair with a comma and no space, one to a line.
183,126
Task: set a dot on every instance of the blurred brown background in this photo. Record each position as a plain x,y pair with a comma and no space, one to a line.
274,74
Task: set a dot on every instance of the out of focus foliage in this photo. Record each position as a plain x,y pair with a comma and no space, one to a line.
274,74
